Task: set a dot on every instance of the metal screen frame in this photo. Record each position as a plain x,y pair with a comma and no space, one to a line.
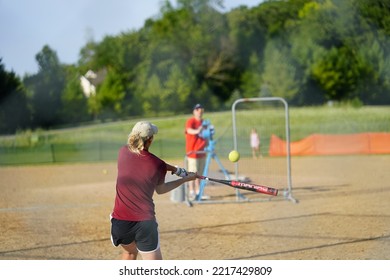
288,191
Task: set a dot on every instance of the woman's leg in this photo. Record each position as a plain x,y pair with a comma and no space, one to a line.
130,251
155,255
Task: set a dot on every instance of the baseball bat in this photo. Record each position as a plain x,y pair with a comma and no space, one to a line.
243,186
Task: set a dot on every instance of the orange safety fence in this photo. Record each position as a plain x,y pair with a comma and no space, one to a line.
333,144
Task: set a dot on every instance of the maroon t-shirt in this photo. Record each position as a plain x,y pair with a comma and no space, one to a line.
138,176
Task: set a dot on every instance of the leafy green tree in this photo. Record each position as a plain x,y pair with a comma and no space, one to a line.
247,35
46,89
194,37
376,13
88,57
251,80
374,51
75,103
337,73
110,95
280,73
326,42
152,96
14,111
277,16
271,71
121,56
177,91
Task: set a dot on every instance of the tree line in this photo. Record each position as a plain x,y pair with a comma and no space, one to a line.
307,51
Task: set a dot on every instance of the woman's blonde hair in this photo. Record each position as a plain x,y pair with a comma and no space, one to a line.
139,135
136,143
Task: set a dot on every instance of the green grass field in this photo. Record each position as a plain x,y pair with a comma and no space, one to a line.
100,142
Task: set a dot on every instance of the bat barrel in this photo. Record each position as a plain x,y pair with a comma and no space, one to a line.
244,186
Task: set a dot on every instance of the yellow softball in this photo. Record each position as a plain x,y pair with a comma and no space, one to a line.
234,156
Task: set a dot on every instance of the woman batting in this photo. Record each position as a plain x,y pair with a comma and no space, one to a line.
140,174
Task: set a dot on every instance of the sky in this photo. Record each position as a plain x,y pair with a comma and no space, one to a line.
67,25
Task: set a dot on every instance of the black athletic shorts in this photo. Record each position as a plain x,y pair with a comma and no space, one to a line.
144,233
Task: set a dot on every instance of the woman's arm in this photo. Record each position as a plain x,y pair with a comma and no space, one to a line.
171,168
168,186
179,171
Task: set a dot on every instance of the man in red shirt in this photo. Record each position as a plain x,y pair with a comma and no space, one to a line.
195,144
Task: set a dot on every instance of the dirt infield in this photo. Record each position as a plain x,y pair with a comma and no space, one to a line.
62,212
